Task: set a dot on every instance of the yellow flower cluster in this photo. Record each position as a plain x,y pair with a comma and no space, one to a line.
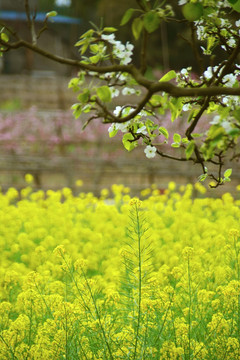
118,278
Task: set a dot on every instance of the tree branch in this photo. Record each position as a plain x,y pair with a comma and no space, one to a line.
152,86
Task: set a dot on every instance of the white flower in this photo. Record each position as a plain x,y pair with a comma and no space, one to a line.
128,91
119,49
117,111
142,130
229,79
200,32
123,127
122,52
109,38
122,77
223,22
186,107
150,151
119,126
122,111
126,60
182,2
231,42
184,72
114,92
237,23
227,126
209,72
109,75
129,47
215,120
225,100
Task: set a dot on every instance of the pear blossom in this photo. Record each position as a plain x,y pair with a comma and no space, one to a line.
129,47
208,74
215,120
186,107
150,151
126,59
200,32
122,111
115,92
142,130
184,72
128,91
117,111
229,79
123,127
226,125
231,42
109,38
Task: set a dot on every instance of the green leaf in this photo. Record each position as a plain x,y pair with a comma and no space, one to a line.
177,138
185,140
196,135
137,27
226,179
202,177
94,48
87,34
192,11
73,83
113,133
77,110
236,6
104,93
156,100
164,132
215,135
51,14
227,173
234,132
87,108
129,145
232,1
189,149
175,106
84,96
94,59
168,76
109,29
175,145
127,16
151,21
4,37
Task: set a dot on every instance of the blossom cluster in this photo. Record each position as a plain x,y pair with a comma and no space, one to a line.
120,51
70,275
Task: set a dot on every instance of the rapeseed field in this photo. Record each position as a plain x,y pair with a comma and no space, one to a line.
118,278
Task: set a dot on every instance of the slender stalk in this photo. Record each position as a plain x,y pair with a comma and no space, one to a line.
98,317
189,310
238,279
139,236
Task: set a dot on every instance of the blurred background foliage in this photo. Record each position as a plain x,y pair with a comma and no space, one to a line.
167,47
